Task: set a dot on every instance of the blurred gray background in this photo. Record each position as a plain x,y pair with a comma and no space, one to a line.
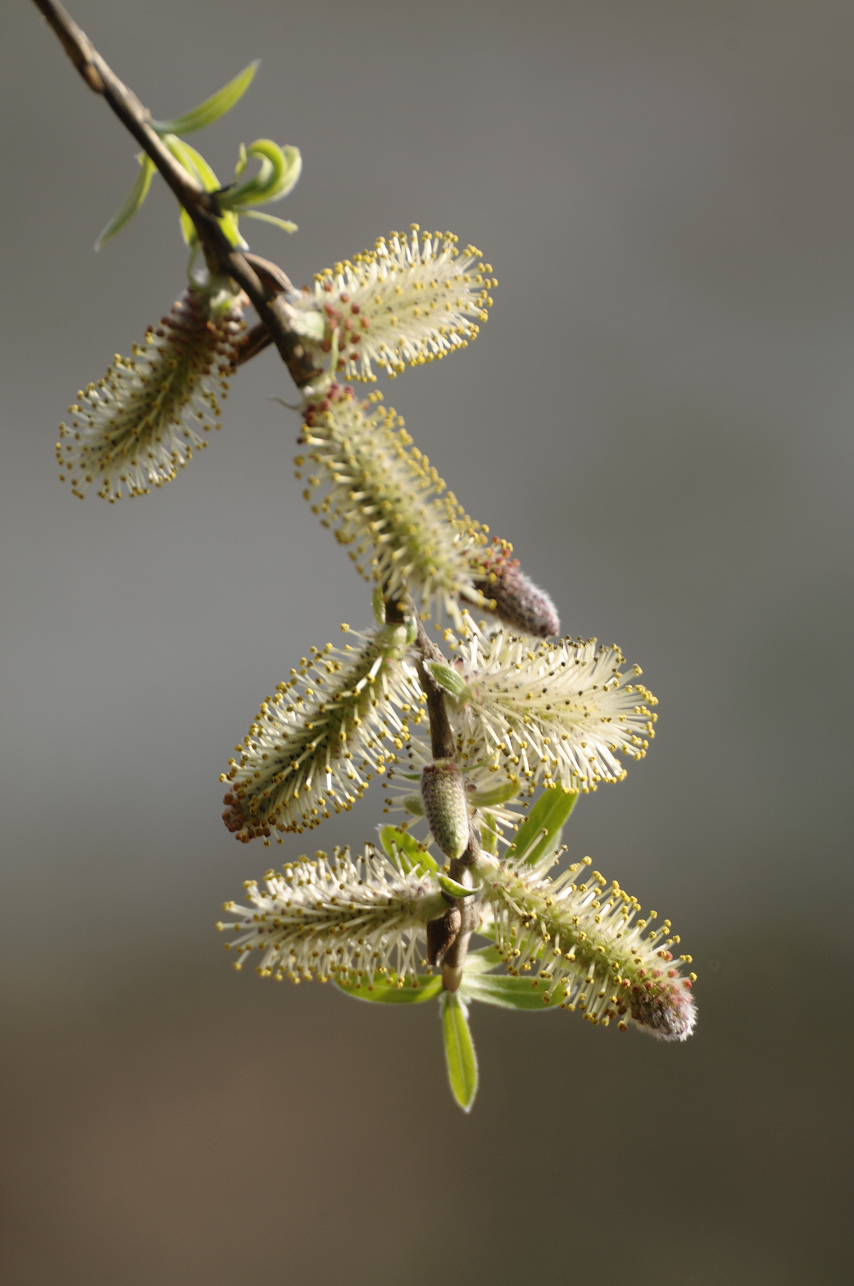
660,416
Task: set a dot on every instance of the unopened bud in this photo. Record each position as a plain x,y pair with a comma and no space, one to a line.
515,599
445,806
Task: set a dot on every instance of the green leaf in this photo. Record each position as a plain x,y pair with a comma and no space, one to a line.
196,165
212,108
459,1049
279,171
539,834
455,890
387,992
132,201
450,680
404,849
192,161
510,993
483,959
493,798
285,224
488,834
187,228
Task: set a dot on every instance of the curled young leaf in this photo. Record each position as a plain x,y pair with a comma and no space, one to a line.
279,169
454,889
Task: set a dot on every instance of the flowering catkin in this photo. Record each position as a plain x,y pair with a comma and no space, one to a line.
316,743
336,917
582,942
586,937
383,497
554,712
136,426
402,303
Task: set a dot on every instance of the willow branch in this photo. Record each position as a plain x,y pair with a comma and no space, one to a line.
441,735
268,299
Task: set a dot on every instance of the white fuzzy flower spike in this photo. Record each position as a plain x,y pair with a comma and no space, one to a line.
585,941
136,426
316,744
558,712
401,304
336,918
383,497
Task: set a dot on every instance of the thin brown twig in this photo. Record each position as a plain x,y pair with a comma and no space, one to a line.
441,734
221,257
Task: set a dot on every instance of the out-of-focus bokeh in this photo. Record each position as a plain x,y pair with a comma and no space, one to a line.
660,416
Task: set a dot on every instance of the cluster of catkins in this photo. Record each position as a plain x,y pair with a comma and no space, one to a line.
484,747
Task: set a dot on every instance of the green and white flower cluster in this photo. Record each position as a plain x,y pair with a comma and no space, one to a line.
464,737
138,425
406,302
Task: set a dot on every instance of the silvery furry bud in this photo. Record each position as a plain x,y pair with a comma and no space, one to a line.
511,595
444,796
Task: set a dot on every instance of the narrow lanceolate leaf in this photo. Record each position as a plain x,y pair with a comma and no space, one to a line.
395,990
212,108
459,1050
132,201
507,993
286,225
539,834
359,921
316,743
510,594
403,303
584,943
557,713
138,425
383,498
196,165
405,851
